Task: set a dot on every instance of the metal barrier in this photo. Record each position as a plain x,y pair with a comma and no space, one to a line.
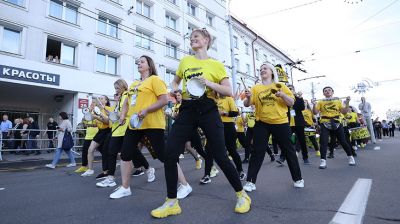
27,144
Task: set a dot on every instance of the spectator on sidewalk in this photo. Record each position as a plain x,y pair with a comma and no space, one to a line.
6,125
50,131
33,134
378,128
64,127
24,135
365,109
392,127
385,128
17,143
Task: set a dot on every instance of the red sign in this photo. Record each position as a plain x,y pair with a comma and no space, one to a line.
82,103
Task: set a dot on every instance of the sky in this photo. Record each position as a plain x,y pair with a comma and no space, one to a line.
326,35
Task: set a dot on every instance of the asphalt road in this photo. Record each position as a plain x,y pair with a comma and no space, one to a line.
40,195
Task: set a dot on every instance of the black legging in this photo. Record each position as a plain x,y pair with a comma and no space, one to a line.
153,139
85,148
245,143
281,132
230,143
301,138
201,113
114,147
339,133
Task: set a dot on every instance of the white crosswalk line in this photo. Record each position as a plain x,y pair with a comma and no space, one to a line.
352,209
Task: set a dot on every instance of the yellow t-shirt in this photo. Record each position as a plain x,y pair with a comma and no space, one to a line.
100,124
226,104
351,117
269,108
90,131
118,131
209,69
147,93
308,117
329,109
251,119
239,124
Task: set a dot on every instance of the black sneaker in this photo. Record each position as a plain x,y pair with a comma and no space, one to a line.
138,172
205,180
245,160
272,157
331,156
101,175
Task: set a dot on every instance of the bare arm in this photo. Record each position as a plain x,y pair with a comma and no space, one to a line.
175,83
346,107
289,101
124,111
247,100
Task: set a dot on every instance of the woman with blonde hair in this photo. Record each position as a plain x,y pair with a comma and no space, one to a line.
271,100
199,112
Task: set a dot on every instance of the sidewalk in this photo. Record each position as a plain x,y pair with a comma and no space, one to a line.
20,161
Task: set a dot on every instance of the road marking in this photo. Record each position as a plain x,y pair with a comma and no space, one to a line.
377,148
352,209
2,188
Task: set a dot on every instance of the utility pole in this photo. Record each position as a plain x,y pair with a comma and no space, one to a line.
234,85
312,90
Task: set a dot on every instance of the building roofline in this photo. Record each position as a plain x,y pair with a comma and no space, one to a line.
242,23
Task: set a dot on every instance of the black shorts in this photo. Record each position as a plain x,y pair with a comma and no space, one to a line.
101,135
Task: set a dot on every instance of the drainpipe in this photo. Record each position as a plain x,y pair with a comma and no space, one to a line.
254,59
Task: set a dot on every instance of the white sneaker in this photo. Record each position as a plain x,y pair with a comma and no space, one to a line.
51,166
151,174
249,187
108,182
121,192
352,162
87,173
183,191
299,183
181,156
323,164
71,165
214,171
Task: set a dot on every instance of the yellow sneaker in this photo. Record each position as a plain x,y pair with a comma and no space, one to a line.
198,164
81,169
243,202
317,153
170,207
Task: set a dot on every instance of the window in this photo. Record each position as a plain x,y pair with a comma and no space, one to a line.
210,19
265,58
106,63
172,1
247,48
60,52
10,40
235,42
64,11
172,50
16,2
248,69
169,76
170,22
143,9
257,54
214,43
191,9
108,27
237,64
142,40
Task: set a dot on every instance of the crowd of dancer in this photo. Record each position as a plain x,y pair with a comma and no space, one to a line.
208,127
